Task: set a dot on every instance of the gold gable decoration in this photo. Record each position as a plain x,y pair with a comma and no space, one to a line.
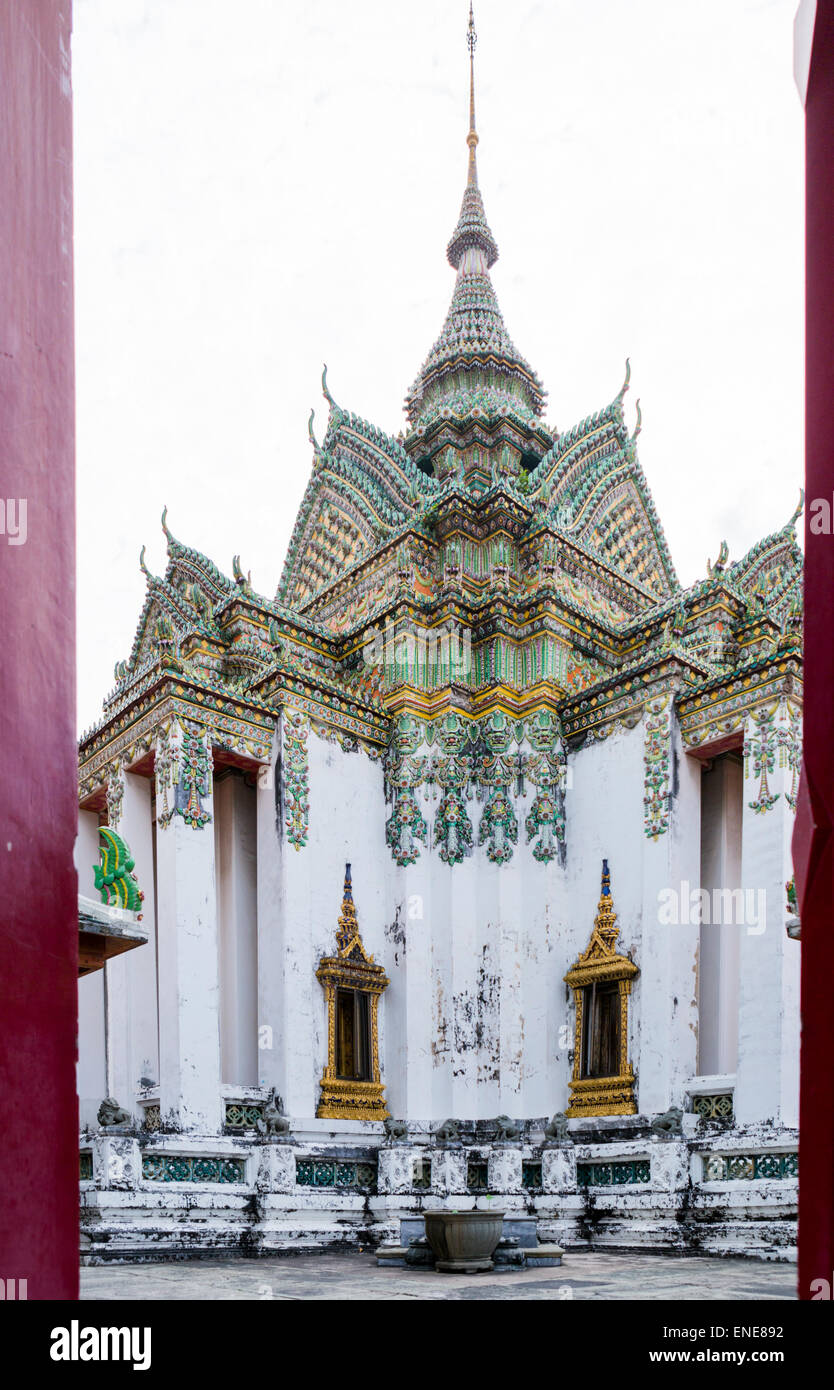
352,969
601,965
347,936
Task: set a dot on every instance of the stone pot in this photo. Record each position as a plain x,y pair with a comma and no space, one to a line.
463,1241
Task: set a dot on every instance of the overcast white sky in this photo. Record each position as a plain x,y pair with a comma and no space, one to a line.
264,186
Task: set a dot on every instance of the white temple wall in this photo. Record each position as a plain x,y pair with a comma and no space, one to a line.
476,1020
475,973
235,825
346,825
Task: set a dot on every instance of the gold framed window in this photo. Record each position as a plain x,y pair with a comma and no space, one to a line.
351,1087
601,979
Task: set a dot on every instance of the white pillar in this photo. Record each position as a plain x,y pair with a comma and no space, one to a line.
664,995
92,1048
271,1050
411,1000
116,989
721,817
237,910
86,853
189,1031
768,1038
310,894
515,1045
139,965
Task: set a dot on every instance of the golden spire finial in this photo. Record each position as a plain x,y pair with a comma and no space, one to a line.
472,137
347,935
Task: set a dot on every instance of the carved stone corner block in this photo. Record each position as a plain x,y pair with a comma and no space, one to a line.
504,1169
448,1170
559,1169
398,1167
669,1165
276,1168
117,1163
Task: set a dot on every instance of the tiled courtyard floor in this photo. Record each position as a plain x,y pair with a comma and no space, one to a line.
357,1276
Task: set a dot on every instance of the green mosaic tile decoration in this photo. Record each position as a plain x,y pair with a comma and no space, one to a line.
328,1172
85,1167
713,1107
477,1177
531,1175
613,1174
182,1168
240,1117
747,1167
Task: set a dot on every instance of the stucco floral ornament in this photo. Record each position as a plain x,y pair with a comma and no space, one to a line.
194,785
656,759
499,827
760,757
296,778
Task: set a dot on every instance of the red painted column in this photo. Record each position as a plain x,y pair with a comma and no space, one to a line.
38,892
813,845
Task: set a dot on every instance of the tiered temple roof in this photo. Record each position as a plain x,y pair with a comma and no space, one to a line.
547,546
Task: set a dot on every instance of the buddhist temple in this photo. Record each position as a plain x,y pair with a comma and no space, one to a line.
463,856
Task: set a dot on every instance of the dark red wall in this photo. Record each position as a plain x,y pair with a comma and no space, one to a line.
815,864
38,893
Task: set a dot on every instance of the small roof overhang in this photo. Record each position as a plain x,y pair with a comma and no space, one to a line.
104,932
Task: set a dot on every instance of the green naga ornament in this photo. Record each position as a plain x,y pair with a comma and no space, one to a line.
453,828
114,878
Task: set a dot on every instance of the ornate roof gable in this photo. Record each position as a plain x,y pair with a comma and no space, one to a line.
177,605
362,488
771,571
594,489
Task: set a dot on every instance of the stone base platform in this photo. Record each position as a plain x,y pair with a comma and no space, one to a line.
173,1196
